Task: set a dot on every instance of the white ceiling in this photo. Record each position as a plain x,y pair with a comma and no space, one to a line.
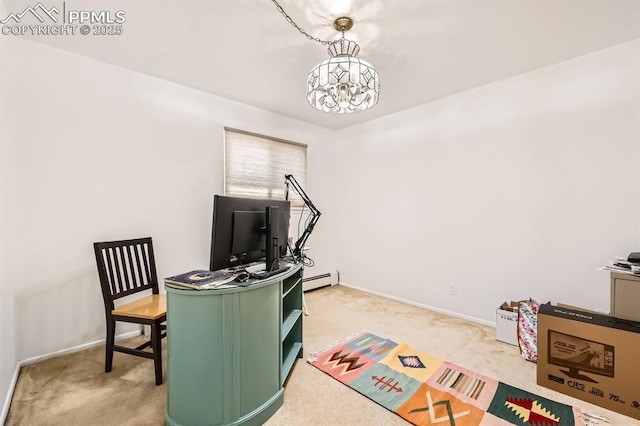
246,51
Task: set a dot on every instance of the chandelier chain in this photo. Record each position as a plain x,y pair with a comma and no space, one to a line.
296,26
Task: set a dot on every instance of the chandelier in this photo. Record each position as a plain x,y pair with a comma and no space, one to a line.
343,83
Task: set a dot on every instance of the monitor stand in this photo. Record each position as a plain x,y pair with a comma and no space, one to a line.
575,374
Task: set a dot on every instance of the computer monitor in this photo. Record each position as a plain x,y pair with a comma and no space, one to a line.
578,354
247,230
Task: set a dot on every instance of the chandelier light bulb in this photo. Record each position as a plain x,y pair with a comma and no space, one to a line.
343,95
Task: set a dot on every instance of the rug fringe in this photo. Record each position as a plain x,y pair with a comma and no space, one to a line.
592,419
313,356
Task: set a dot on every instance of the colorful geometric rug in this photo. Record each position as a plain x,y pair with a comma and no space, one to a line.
425,390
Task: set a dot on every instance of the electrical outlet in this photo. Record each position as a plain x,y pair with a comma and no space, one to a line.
453,289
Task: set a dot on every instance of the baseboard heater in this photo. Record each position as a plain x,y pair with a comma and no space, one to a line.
321,280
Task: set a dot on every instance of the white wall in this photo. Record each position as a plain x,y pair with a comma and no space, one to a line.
517,189
105,153
7,319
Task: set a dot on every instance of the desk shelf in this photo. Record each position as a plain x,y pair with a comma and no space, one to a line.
289,285
291,352
291,333
290,322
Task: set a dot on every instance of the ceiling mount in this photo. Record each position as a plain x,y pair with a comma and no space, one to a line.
343,23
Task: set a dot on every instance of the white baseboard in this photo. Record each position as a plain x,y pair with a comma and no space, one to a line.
320,280
420,305
39,358
7,400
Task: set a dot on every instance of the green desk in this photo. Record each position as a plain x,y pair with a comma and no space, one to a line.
229,351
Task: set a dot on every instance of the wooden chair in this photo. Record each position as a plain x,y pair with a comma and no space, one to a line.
128,267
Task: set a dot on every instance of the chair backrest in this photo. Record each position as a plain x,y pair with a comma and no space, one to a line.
125,267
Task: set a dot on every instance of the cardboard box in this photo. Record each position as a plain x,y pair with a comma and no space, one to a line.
507,323
590,356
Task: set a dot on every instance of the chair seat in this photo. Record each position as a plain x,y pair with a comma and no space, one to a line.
149,307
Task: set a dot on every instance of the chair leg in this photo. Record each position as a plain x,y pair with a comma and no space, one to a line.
156,345
111,333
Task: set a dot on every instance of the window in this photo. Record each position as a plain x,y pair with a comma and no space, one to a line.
255,165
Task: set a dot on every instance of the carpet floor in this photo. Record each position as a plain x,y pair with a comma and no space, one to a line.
74,390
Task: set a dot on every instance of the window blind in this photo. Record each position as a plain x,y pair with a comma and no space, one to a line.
255,166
